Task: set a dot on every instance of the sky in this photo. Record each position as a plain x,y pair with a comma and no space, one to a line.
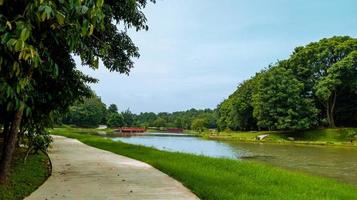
196,52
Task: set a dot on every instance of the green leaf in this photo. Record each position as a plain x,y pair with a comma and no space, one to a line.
43,16
84,9
48,11
27,111
60,18
85,27
9,25
25,34
99,3
19,45
96,63
91,29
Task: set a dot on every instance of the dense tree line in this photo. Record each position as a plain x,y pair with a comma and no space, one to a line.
181,119
314,87
91,112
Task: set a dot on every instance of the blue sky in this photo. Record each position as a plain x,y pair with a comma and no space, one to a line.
196,52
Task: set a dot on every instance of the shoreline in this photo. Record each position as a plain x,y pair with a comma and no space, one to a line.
342,137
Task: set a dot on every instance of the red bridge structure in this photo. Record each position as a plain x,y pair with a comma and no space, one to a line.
131,130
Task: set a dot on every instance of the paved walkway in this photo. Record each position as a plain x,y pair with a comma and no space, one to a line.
84,172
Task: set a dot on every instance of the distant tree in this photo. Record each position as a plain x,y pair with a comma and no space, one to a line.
159,122
128,118
115,120
88,113
279,103
112,108
199,124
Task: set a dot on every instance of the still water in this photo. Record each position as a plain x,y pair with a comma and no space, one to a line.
334,162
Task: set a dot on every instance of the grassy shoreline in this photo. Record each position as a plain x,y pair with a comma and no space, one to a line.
219,178
25,177
333,137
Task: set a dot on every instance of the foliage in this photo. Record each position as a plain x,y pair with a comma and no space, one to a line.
88,113
115,120
340,78
182,119
128,118
236,112
279,103
112,108
37,41
312,66
159,122
315,86
199,124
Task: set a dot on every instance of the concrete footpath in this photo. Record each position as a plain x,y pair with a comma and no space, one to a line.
84,172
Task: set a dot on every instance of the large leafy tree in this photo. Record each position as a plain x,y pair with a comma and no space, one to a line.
35,37
279,103
311,64
341,78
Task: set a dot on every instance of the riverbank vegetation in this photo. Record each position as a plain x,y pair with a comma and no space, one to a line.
25,177
329,136
218,178
314,87
93,112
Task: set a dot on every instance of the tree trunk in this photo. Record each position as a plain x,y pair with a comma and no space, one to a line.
5,132
9,146
333,104
330,110
328,113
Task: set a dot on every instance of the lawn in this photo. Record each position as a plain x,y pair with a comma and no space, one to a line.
218,178
25,178
335,136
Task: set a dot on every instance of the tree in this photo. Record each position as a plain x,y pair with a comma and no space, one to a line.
113,108
36,34
341,77
115,120
88,113
310,64
279,103
199,124
128,118
159,122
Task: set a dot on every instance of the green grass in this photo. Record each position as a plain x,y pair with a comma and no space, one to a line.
336,136
25,178
218,178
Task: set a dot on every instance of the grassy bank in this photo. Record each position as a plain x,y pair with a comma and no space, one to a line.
25,178
336,136
218,178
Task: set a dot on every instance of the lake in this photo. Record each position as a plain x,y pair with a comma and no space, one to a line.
339,163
